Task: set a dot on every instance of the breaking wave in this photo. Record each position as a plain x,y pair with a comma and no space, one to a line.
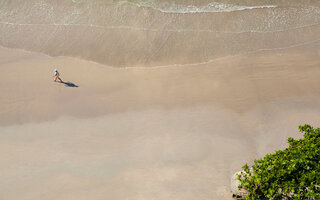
185,9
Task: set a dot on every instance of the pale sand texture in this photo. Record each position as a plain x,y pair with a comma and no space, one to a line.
163,133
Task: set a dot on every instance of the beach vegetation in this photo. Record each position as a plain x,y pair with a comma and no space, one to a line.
292,173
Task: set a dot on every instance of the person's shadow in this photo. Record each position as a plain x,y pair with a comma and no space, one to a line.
69,84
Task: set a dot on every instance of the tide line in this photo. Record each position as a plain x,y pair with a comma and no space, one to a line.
159,30
197,63
221,58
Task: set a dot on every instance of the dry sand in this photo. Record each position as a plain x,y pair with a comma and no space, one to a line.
147,133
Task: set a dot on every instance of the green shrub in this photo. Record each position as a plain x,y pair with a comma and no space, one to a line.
293,173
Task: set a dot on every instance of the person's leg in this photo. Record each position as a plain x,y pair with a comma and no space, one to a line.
55,78
59,79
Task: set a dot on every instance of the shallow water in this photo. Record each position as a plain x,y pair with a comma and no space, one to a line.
156,33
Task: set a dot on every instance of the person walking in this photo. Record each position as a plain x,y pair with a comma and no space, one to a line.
57,76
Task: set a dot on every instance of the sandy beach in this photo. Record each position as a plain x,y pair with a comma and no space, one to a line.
146,133
161,100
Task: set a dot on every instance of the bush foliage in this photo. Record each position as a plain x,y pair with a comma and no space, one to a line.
293,173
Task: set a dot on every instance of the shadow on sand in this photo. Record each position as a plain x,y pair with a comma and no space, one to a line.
69,84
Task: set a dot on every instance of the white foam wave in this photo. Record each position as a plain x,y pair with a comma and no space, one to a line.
189,9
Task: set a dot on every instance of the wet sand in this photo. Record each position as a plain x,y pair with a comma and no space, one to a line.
147,133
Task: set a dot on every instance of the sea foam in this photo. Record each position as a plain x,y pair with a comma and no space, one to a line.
171,7
185,9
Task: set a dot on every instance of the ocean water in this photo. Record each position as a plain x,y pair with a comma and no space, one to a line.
151,33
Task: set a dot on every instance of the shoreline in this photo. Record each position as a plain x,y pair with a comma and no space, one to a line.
221,83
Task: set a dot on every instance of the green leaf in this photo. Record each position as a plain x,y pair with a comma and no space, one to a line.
293,172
